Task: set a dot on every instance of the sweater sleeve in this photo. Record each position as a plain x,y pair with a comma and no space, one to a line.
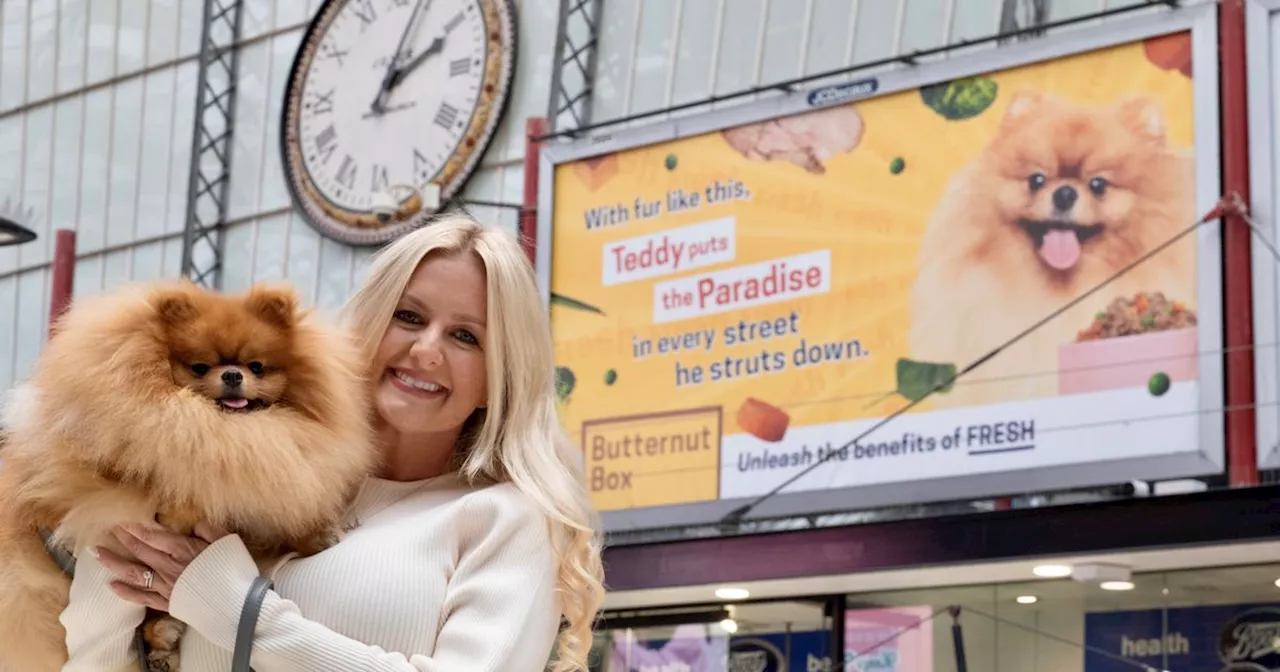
100,625
500,609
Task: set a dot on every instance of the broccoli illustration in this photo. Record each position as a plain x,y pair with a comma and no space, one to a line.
960,98
565,381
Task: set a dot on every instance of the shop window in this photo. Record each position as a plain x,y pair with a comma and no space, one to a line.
1205,620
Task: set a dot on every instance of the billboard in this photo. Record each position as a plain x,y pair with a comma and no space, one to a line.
736,296
1262,31
1219,638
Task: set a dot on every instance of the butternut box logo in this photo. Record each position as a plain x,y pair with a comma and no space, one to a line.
653,459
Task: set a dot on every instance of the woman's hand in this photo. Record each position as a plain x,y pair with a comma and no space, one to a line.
162,557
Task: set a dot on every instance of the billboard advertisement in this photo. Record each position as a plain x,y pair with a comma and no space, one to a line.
1262,32
1226,638
735,298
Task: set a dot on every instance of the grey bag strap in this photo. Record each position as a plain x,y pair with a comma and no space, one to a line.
248,624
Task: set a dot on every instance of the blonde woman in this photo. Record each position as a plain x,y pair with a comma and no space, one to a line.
465,553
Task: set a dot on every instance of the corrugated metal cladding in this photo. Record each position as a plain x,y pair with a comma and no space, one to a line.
97,100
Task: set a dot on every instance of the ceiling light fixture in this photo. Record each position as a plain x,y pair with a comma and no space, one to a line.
733,593
1052,571
1027,599
1116,585
729,625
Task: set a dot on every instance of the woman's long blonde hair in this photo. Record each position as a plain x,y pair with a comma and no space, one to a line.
519,437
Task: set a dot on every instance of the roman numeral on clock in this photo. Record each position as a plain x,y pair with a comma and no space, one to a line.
446,115
420,166
327,142
320,103
364,9
347,172
460,66
379,180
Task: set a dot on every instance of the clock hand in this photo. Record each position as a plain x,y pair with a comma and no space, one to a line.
389,76
436,46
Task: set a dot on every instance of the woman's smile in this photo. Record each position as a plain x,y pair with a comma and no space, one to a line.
416,385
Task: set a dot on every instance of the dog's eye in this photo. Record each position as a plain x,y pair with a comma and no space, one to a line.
1036,181
199,369
256,368
1098,186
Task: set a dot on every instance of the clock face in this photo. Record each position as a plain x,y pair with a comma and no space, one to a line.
385,95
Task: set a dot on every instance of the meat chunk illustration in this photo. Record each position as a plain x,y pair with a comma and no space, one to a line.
807,140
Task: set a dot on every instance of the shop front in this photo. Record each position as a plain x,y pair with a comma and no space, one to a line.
1186,583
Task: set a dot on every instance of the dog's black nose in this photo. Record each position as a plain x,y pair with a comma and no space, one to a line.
1064,198
232,378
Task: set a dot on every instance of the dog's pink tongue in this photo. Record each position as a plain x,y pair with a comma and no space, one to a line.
1060,249
235,403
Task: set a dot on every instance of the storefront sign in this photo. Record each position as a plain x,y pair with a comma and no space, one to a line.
1230,638
737,297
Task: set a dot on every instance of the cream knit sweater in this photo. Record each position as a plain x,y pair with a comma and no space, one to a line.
436,577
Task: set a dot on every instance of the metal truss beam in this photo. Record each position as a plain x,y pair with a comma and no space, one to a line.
210,170
573,71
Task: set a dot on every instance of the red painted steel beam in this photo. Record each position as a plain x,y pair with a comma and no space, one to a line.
1241,431
64,273
535,127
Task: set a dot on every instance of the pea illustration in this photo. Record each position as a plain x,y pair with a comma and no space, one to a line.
610,377
1159,384
897,165
671,162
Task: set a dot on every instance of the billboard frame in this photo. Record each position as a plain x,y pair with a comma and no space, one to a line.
1262,207
1208,457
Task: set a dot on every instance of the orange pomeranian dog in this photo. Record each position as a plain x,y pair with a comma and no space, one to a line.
170,403
1063,197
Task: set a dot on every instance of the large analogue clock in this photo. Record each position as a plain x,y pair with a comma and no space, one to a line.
390,94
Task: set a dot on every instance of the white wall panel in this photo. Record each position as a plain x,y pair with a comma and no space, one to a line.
73,33
132,35
8,328
126,150
11,174
95,170
249,137
186,79
163,23
36,172
29,334
237,260
303,261
42,50
155,169
13,53
274,193
271,248
64,192
190,15
100,60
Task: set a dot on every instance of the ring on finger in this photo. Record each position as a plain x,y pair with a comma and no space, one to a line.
148,579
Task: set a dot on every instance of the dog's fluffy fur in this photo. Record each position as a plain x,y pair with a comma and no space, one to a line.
984,275
117,424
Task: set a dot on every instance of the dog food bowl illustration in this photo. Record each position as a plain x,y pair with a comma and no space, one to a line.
1128,361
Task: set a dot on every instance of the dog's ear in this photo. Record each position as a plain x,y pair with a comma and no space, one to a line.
174,305
1143,115
276,304
1022,106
